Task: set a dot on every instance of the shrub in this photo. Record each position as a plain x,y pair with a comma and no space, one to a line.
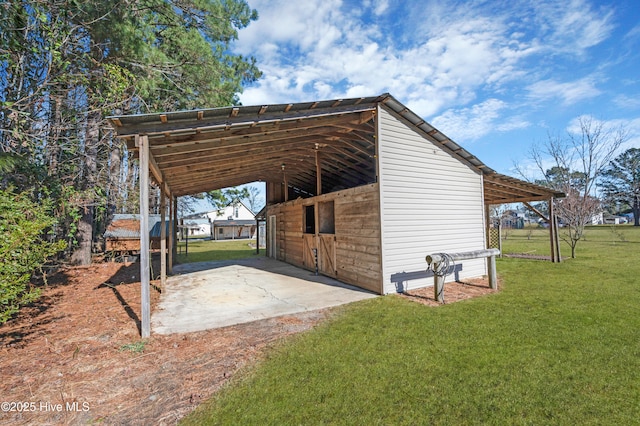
23,249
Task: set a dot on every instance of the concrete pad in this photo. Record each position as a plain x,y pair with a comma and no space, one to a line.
210,295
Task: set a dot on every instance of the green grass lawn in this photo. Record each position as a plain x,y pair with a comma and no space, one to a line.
204,250
535,240
560,344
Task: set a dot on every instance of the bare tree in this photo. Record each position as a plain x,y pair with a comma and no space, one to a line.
256,202
573,164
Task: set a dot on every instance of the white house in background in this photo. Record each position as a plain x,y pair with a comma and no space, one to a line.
197,227
235,221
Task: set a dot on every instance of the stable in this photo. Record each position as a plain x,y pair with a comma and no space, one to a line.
358,189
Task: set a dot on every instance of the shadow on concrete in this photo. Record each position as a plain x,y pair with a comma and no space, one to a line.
266,264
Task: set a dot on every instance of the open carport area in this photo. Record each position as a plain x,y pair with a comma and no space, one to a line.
346,183
207,295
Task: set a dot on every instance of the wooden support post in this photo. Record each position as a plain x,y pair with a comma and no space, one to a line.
438,288
185,235
145,301
558,256
552,231
163,238
286,186
318,173
554,235
257,236
500,235
493,274
171,236
175,227
487,218
316,239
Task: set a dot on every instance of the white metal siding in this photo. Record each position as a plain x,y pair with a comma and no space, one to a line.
429,202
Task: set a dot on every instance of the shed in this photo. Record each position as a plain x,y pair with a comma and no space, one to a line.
362,188
123,233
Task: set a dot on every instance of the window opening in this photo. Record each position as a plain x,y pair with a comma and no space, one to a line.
309,220
326,218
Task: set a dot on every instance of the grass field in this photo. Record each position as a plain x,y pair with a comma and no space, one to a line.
560,344
204,250
535,240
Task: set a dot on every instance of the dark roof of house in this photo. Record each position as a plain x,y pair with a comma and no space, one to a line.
244,222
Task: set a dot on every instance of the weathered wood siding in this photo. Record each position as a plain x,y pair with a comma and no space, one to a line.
430,202
356,238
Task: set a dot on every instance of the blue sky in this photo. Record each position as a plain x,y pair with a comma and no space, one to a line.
495,76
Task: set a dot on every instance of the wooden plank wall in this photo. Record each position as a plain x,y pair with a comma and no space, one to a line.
357,234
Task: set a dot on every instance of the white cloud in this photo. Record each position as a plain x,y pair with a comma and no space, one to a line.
627,102
569,92
433,56
379,7
469,124
440,70
633,33
569,27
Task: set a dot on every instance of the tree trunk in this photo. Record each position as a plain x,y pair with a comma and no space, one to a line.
115,173
636,212
82,254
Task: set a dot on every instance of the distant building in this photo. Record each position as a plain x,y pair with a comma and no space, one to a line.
197,227
123,233
235,221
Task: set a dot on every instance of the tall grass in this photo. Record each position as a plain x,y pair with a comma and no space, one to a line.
560,344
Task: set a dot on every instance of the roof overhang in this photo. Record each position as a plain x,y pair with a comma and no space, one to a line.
502,189
202,150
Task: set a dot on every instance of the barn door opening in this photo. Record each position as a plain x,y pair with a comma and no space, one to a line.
318,238
309,245
327,254
327,238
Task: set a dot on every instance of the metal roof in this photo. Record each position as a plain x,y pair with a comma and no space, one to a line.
127,226
201,150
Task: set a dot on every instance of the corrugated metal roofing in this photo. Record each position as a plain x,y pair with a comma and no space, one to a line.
127,226
201,150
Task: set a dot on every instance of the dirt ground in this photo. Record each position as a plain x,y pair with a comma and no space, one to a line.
453,292
76,356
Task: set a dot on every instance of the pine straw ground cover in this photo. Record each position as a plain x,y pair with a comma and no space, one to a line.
80,343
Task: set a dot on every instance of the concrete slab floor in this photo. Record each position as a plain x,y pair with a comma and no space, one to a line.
209,295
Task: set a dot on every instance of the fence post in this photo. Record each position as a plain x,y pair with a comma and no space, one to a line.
438,288
491,268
